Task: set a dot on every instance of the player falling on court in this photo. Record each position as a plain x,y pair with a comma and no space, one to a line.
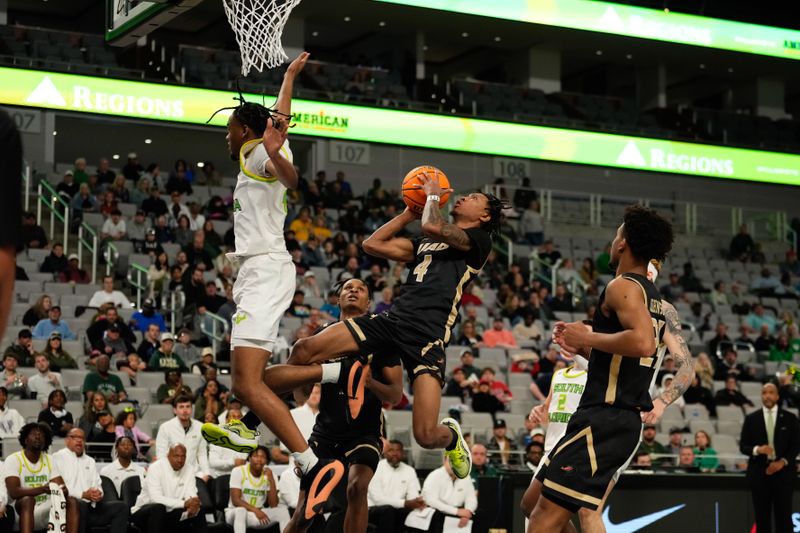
628,327
257,139
567,388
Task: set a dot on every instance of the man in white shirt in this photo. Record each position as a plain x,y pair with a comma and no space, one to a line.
43,382
114,227
176,209
6,511
169,500
79,472
183,429
450,496
393,491
10,419
289,487
108,294
123,466
305,417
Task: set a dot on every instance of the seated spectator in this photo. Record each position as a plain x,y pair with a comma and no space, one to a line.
119,188
673,291
142,319
787,289
649,444
155,206
67,188
157,277
458,385
499,389
43,381
88,420
298,307
180,179
169,492
532,432
211,300
197,253
689,281
467,364
548,253
481,467
705,457
721,337
745,336
82,480
102,442
114,345
184,348
302,225
37,311
697,393
183,233
184,430
108,294
393,491
758,317
531,224
55,415
289,487
100,381
210,404
765,341
666,382
312,253
206,361
10,420
141,192
260,507
504,447
731,395
15,382
766,284
114,228
22,350
172,387
729,366
642,462
84,201
534,453
150,343
719,294
742,245
137,230
156,236
704,369
131,365
527,330
53,323
125,426
468,336
32,235
449,496
123,467
781,351
686,461
74,273
132,169
56,262
499,336
387,297
164,358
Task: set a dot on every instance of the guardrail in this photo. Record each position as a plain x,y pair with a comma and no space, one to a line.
52,201
135,274
217,331
90,245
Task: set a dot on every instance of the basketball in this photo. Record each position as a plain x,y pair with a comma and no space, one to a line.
414,196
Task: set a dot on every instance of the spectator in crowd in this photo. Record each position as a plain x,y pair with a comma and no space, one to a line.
108,294
31,492
137,230
469,336
184,234
394,490
467,364
158,275
55,415
260,506
100,381
114,227
302,225
731,395
497,386
141,192
704,370
561,300
765,340
289,487
499,336
481,467
502,449
82,480
458,385
742,245
43,381
531,433
67,188
483,401
696,318
209,406
729,366
673,291
720,337
182,429
666,384
107,204
184,348
150,343
164,358
155,207
22,350
46,326
206,361
106,319
697,393
745,337
10,420
686,461
298,307
32,235
649,444
531,224
705,457
211,300
534,452
449,496
74,273
15,382
791,266
132,169
114,345
125,426
142,319
527,331
169,492
387,297
689,280
781,351
37,311
548,253
675,443
81,176
88,420
84,201
766,284
56,262
719,294
304,416
172,387
176,208
123,467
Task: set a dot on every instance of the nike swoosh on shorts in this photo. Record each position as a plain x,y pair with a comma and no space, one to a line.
637,524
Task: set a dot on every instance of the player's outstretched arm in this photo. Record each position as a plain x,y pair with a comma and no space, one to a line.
433,223
638,340
384,243
284,103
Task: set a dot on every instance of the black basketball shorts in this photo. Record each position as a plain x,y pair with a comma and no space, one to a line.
366,450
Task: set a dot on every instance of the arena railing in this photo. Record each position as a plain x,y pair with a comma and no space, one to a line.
59,210
87,240
137,279
26,186
214,328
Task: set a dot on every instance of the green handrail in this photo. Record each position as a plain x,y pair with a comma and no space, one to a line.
137,270
215,336
51,202
90,245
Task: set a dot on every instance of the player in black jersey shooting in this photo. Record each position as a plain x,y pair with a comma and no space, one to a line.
628,329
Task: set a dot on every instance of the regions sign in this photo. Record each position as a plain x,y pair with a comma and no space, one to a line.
122,98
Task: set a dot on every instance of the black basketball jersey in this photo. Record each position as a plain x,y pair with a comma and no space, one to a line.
431,296
624,381
332,420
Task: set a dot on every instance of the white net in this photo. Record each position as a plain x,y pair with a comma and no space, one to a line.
258,25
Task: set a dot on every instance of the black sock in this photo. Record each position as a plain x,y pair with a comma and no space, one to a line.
453,442
251,420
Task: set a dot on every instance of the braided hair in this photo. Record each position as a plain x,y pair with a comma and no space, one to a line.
494,206
252,114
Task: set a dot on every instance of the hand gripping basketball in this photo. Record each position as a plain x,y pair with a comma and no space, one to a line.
430,184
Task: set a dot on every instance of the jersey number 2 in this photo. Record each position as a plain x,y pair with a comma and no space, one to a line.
648,361
422,268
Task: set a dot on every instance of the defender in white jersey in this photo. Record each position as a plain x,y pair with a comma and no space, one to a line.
27,475
257,138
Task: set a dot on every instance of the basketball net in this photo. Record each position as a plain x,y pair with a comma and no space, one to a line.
258,25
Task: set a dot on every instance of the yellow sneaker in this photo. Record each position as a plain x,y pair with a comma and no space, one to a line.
460,457
234,435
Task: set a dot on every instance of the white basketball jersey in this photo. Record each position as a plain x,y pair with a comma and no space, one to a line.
567,388
254,489
31,475
259,203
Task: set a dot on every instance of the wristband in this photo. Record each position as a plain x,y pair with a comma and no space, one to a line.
433,197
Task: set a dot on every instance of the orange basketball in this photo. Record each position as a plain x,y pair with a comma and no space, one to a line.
414,196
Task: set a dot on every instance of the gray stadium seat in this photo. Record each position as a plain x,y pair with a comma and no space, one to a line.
150,380
695,411
729,427
730,413
29,409
704,425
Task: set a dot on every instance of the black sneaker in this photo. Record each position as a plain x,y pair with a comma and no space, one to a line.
318,484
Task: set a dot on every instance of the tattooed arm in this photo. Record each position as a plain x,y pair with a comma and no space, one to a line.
684,365
434,225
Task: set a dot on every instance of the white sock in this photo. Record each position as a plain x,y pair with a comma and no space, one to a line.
305,460
330,372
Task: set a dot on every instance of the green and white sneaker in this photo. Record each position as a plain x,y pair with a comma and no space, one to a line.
460,457
234,435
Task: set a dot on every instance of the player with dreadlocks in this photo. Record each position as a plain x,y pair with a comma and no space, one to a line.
257,138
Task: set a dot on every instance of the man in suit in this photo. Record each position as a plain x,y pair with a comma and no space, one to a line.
771,439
